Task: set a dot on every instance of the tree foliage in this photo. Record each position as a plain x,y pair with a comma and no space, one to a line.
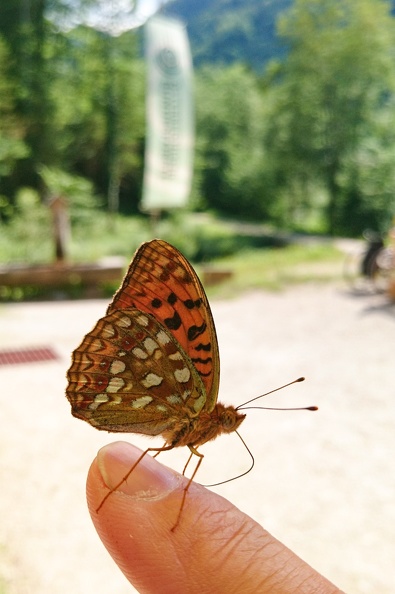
12,146
332,119
99,120
78,100
229,148
309,144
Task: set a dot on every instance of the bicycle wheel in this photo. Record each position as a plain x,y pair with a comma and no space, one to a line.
358,280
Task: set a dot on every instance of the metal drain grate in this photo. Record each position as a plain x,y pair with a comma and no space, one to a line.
29,355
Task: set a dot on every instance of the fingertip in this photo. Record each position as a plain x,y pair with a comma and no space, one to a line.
128,470
123,481
136,520
210,545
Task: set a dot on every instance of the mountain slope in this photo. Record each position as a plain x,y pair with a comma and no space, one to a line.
224,31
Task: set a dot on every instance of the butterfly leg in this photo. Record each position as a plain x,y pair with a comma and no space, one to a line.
187,463
184,494
158,452
127,475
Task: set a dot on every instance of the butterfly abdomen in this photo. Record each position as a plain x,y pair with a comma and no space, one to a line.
203,428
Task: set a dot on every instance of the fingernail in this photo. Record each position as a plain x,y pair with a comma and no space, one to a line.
148,480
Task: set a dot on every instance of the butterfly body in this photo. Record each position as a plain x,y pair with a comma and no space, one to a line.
196,431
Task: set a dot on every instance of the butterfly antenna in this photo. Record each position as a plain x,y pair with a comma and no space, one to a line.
243,473
244,407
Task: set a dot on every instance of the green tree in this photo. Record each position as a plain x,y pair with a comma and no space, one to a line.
12,147
229,147
98,122
327,105
71,86
25,30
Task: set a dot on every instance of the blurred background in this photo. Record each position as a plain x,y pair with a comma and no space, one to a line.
293,109
287,210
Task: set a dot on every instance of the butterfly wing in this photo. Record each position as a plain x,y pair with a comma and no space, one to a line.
130,375
160,281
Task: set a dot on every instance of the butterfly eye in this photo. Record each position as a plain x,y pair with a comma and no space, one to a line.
229,419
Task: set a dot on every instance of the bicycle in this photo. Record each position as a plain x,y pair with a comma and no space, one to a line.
371,269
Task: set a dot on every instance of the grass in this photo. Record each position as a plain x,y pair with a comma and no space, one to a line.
275,269
256,256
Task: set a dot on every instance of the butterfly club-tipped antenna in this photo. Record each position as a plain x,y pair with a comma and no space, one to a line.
244,407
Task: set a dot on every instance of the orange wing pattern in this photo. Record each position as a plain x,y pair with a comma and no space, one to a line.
160,281
129,375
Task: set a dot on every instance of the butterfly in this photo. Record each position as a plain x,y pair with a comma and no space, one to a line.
151,364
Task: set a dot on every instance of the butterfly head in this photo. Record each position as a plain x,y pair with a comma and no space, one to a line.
229,419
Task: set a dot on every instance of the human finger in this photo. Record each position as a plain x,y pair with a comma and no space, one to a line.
215,547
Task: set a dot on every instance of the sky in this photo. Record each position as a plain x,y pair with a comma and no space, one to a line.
116,16
145,8
148,6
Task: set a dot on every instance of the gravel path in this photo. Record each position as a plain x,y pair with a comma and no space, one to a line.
323,482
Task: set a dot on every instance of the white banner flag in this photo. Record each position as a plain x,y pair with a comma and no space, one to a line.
169,143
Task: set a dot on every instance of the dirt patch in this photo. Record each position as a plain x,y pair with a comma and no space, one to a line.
323,482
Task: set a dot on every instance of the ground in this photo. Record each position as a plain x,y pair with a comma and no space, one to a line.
323,482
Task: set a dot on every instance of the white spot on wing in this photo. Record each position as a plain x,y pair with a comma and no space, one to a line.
182,375
115,384
151,379
139,353
124,322
174,399
98,400
199,403
176,356
163,337
117,367
150,345
161,408
108,331
141,402
142,320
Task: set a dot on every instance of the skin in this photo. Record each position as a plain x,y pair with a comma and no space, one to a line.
214,549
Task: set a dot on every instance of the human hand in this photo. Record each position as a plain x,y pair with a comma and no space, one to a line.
215,548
